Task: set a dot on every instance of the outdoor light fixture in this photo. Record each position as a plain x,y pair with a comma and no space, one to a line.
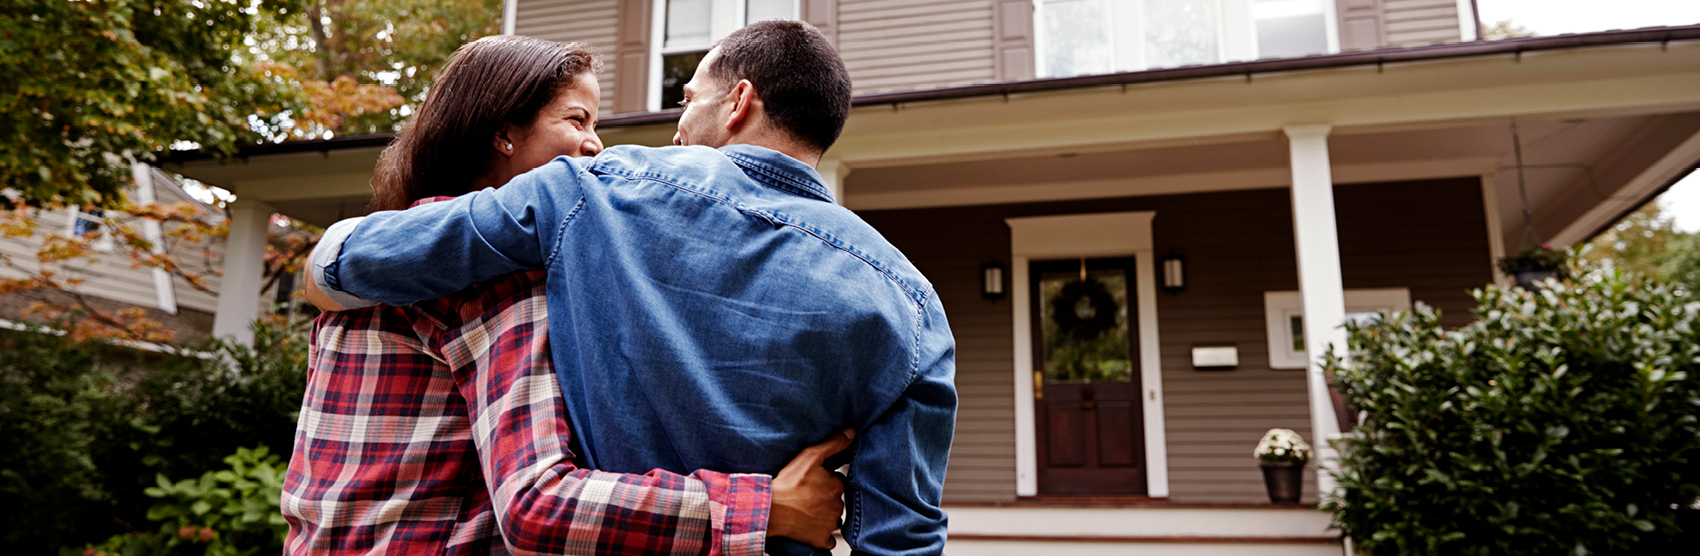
1174,274
991,283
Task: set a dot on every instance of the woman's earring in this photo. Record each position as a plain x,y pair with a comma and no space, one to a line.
510,146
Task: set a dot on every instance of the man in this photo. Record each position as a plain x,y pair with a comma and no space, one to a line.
709,307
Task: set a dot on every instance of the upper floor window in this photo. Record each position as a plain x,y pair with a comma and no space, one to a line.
85,223
1083,37
688,28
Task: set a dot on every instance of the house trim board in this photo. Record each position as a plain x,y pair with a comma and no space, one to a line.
1495,228
1087,235
1266,178
1662,173
165,290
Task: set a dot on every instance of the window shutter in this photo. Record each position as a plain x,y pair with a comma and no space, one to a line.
631,58
1013,20
1360,24
823,14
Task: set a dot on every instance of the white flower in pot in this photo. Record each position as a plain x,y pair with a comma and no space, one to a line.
1283,455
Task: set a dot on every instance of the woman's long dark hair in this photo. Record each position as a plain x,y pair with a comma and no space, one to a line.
488,83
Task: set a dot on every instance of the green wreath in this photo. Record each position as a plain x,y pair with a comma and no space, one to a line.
1100,309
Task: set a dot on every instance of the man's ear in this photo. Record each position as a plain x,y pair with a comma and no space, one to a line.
501,142
744,100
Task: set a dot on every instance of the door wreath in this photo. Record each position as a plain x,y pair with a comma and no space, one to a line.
1084,321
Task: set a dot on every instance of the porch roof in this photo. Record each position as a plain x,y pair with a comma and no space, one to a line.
1248,69
1386,95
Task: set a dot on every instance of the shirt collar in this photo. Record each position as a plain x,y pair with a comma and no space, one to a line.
778,171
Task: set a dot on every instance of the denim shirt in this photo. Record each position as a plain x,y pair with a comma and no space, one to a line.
708,309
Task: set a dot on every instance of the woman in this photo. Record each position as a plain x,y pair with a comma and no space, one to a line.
439,428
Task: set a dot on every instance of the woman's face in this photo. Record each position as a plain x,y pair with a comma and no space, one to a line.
567,126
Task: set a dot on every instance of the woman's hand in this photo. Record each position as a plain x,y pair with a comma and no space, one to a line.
807,498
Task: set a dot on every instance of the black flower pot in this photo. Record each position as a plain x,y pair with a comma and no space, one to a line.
1284,480
1530,279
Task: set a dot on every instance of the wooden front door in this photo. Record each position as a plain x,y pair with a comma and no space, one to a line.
1087,403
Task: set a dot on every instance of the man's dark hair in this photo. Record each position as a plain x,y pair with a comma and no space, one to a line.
488,83
796,72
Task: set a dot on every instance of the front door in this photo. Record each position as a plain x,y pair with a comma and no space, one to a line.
1087,397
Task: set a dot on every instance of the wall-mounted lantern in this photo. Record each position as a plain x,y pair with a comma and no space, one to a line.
991,280
1174,274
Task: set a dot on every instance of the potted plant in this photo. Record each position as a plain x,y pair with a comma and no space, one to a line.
1534,264
1283,454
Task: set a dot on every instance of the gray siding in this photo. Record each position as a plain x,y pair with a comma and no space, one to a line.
1237,245
592,22
891,45
1420,22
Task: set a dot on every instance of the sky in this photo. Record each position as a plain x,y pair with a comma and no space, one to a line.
1556,17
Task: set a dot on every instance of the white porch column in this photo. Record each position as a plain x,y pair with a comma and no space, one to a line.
833,172
1320,285
244,264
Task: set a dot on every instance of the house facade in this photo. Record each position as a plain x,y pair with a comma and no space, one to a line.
109,281
1146,218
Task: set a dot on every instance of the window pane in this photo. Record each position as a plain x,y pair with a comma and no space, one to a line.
763,10
1292,36
86,223
688,23
1077,38
1082,344
676,70
1181,32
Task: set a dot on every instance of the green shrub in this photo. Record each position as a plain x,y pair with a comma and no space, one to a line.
229,512
88,427
60,412
1562,421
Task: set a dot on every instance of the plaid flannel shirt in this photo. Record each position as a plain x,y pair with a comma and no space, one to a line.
439,429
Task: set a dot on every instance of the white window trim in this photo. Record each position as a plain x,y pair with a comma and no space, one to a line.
725,21
103,241
1280,307
1116,234
1236,34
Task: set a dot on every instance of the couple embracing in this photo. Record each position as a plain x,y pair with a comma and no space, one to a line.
557,348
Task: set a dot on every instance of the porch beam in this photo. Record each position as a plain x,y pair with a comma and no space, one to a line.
1318,245
926,133
244,267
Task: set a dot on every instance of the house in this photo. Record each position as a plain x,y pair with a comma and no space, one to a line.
109,281
1231,179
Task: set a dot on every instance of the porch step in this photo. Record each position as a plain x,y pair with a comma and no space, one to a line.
1157,530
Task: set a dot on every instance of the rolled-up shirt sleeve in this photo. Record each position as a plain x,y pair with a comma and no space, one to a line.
322,264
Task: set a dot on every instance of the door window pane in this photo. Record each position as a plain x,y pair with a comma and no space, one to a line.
763,10
688,23
1077,37
1182,32
1085,324
676,70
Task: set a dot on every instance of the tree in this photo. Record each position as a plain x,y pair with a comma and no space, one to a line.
364,64
1506,29
1648,244
93,85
